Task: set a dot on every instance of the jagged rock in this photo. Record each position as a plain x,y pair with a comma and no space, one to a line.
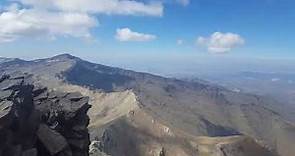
38,122
74,96
52,140
5,113
12,84
5,108
4,77
94,149
5,94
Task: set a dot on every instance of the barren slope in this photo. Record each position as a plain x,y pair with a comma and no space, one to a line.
141,114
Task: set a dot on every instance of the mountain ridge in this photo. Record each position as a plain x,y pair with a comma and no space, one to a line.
194,108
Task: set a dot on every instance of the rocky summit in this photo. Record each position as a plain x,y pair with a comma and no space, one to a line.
37,122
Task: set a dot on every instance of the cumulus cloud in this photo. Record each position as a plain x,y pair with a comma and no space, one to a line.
221,42
183,2
17,23
74,18
125,35
119,7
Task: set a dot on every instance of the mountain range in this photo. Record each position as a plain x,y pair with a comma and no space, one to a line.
140,114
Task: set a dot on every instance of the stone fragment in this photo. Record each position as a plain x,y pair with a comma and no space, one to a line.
5,108
40,95
74,96
4,77
5,94
52,140
11,84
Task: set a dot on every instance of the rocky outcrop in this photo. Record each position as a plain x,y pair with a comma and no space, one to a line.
95,149
38,122
238,145
242,147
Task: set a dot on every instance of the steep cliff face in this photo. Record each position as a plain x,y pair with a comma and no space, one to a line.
38,122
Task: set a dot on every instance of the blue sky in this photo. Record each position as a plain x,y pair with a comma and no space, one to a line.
149,30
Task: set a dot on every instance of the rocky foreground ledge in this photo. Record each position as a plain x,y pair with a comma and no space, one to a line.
38,122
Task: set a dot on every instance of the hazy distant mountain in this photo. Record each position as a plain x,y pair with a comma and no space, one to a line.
142,114
3,59
279,86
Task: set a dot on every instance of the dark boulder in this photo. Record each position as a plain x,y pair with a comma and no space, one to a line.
53,141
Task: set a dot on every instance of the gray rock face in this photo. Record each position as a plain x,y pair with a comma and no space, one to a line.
5,107
95,149
54,142
37,122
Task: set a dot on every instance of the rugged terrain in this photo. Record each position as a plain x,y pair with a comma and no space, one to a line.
38,122
142,114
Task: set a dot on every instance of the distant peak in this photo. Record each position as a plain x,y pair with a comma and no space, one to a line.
3,59
65,56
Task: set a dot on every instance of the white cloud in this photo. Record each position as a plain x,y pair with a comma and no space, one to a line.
125,35
275,79
179,42
221,42
74,18
118,7
183,2
17,23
